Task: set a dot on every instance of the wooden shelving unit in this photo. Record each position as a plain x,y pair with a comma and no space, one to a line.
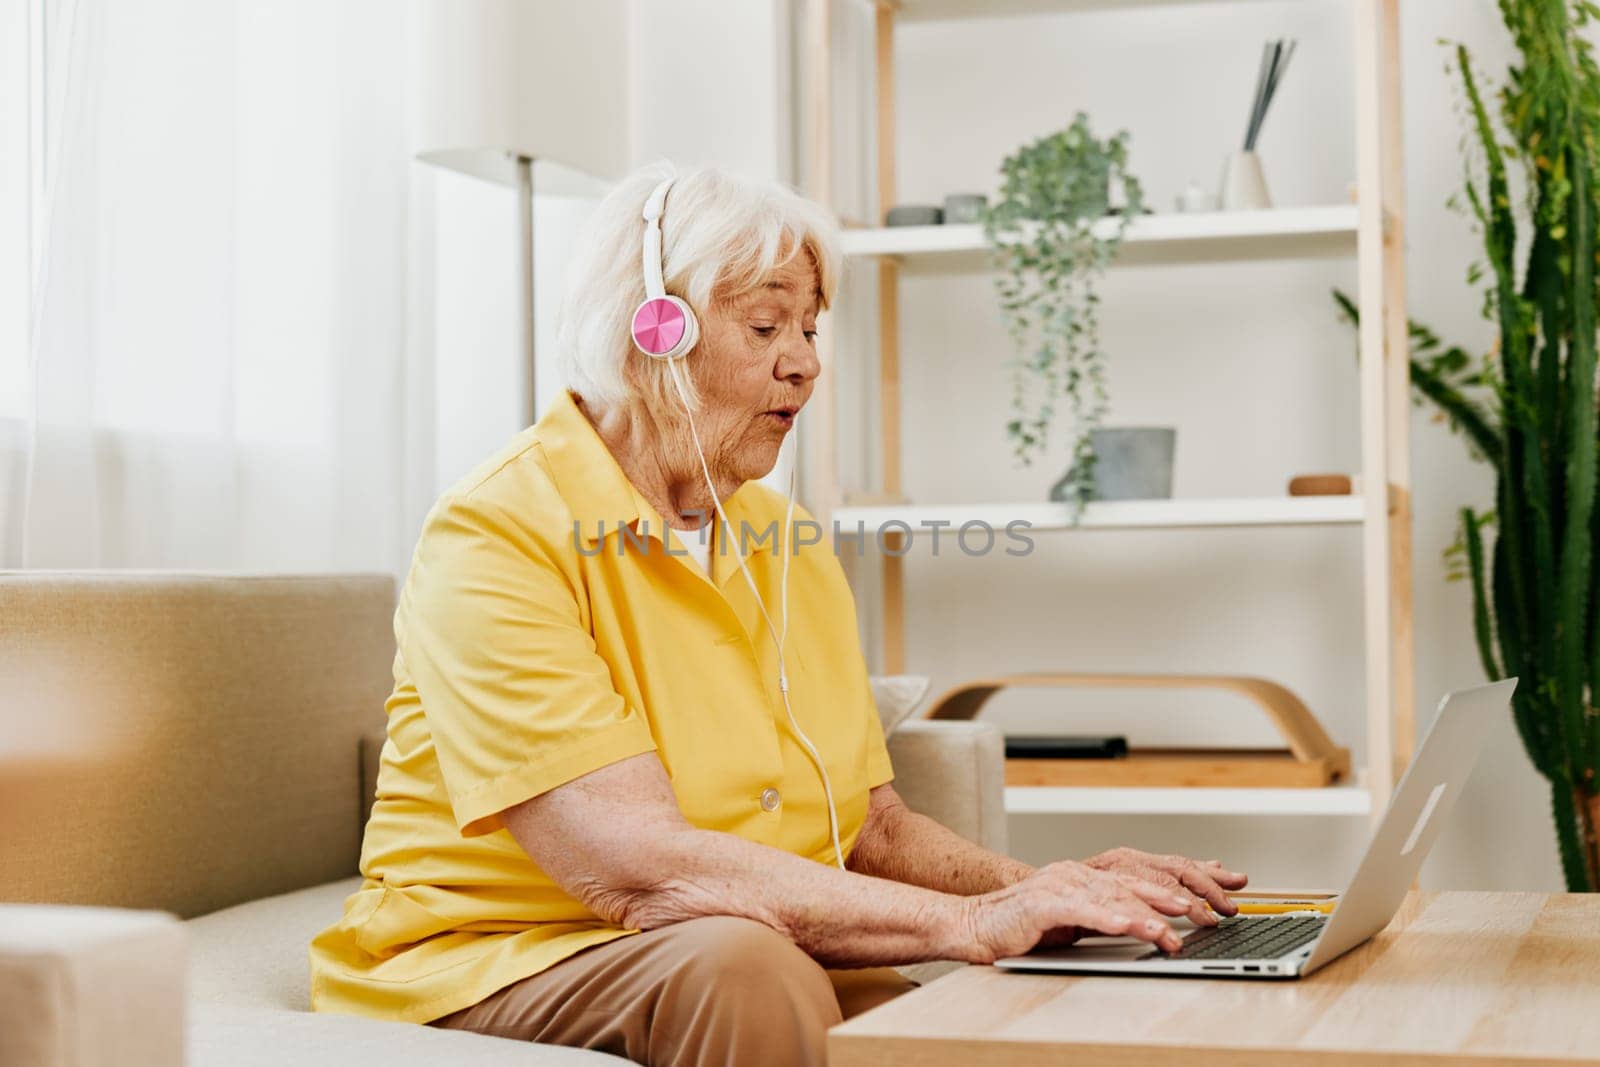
1372,230
1203,237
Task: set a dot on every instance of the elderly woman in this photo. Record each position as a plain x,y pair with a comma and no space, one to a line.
610,813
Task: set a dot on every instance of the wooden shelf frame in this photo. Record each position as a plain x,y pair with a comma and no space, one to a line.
1379,247
1341,800
1311,760
1174,514
945,10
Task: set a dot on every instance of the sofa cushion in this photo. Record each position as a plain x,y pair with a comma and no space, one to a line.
249,997
186,741
897,696
255,955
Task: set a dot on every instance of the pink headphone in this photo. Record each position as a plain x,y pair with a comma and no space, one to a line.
664,327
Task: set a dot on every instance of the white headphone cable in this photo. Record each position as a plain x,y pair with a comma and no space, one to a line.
783,676
783,682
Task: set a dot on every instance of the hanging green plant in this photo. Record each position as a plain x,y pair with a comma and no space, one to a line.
1052,234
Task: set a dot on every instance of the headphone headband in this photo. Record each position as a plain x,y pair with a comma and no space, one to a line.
664,327
654,286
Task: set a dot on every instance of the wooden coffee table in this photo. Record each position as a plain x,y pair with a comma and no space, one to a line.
1457,978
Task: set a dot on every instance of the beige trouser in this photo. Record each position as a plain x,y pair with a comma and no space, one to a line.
709,991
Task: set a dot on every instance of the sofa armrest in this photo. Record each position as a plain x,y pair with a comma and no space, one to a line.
90,987
954,773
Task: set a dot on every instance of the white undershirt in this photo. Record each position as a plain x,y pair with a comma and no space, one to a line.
698,544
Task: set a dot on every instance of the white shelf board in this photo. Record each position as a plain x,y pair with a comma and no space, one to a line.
1343,800
931,10
1195,237
1110,514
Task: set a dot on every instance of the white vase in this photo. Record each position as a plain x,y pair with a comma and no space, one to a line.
1244,186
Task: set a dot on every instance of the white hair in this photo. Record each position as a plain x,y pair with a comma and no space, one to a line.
721,234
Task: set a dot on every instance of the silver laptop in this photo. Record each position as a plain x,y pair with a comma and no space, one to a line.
1291,945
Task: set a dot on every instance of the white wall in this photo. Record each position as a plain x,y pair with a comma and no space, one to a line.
471,382
1251,366
713,85
709,83
478,369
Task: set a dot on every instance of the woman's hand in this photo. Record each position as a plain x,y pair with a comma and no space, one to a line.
1058,902
1200,883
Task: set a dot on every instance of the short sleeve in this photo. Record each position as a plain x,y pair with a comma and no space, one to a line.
515,695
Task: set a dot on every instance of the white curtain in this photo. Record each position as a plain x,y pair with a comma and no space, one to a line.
219,371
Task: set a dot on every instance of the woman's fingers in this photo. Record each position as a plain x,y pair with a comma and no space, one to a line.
1128,858
1125,917
1170,895
1200,912
1165,893
1126,894
1071,895
1226,878
1203,882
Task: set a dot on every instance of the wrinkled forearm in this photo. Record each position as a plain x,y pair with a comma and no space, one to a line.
838,917
904,846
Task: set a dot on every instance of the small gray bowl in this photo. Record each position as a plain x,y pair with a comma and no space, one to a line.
914,215
962,208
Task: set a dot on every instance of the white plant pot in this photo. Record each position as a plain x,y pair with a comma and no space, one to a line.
1244,185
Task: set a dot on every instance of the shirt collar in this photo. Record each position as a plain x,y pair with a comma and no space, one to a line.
600,495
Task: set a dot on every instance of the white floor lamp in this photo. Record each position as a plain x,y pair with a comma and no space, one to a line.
502,83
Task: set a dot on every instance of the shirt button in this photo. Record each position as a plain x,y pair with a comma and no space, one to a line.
770,799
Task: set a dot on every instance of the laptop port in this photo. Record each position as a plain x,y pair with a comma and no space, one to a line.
1252,968
1216,967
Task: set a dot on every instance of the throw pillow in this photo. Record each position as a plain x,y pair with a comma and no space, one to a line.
897,696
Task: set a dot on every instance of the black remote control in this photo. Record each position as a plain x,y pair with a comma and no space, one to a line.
1032,747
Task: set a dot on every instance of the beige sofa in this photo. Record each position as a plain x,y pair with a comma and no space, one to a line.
205,745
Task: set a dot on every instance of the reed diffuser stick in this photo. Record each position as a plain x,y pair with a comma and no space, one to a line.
1274,61
1255,99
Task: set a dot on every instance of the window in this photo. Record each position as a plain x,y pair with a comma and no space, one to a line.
20,125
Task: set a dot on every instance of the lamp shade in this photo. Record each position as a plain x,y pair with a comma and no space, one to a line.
536,79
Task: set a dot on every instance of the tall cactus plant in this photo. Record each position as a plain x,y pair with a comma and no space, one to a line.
1535,616
1537,613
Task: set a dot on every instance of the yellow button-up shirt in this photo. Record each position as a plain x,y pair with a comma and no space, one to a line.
539,640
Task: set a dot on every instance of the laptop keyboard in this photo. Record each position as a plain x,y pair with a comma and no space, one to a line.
1240,938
